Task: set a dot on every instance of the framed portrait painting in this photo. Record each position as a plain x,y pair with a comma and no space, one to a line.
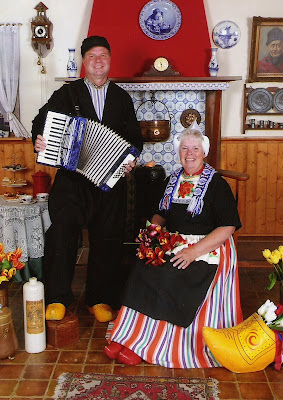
266,60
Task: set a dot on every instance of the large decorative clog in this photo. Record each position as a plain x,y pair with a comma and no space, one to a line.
247,347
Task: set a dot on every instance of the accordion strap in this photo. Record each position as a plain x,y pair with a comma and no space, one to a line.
76,106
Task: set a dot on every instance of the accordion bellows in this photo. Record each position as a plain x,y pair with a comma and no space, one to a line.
85,146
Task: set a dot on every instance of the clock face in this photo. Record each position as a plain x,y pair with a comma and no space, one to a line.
40,31
161,64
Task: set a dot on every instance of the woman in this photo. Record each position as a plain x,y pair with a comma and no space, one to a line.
166,307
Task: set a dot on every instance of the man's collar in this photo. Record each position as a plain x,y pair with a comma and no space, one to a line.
97,86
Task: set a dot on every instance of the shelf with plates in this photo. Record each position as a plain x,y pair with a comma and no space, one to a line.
267,105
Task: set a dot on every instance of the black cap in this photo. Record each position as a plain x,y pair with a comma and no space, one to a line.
93,41
274,34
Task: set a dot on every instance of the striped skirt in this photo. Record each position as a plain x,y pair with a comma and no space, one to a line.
162,343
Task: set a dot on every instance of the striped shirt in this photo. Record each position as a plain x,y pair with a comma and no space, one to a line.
98,96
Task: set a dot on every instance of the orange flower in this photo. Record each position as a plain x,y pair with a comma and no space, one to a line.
9,263
14,255
18,264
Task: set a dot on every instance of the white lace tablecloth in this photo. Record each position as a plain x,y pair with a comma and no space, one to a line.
24,226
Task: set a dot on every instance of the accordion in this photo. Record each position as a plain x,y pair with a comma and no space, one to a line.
85,146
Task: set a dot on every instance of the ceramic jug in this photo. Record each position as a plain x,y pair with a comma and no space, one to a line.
8,339
41,183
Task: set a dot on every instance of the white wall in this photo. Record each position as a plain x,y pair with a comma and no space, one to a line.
70,20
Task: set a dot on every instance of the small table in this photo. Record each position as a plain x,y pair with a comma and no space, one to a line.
24,226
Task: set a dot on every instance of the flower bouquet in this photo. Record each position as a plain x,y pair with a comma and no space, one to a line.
275,258
9,263
272,315
155,241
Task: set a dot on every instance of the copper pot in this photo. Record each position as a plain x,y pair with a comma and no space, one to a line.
156,130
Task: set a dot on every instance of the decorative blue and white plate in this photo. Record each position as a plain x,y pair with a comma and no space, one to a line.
160,19
226,34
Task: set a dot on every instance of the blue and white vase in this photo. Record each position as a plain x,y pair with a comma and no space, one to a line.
71,65
213,63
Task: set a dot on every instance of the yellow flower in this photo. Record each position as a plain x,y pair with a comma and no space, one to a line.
3,279
280,249
274,258
266,253
269,260
12,272
277,253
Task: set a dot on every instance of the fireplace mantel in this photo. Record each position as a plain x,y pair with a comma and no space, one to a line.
145,83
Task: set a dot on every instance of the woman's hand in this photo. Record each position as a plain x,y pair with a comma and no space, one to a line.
184,258
209,243
40,143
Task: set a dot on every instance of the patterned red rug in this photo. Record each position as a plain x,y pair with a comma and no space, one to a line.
80,386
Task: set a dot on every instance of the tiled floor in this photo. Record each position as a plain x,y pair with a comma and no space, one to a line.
33,376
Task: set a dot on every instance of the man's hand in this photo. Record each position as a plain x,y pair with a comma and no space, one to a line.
130,166
40,143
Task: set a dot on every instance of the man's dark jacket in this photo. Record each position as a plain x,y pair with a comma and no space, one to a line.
118,114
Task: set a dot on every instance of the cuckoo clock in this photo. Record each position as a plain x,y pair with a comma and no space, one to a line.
41,28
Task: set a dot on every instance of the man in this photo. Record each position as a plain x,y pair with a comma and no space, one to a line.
273,62
75,202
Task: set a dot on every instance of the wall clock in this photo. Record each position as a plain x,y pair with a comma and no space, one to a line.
160,19
161,67
41,28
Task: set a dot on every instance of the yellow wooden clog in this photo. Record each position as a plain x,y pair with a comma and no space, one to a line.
247,347
103,312
55,312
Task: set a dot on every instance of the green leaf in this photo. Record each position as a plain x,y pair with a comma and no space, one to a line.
272,280
6,264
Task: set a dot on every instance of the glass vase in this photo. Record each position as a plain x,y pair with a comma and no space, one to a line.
213,63
71,65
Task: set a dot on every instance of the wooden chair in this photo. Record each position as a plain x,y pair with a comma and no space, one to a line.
238,177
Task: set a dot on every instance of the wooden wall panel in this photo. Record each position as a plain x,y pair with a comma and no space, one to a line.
279,192
261,197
